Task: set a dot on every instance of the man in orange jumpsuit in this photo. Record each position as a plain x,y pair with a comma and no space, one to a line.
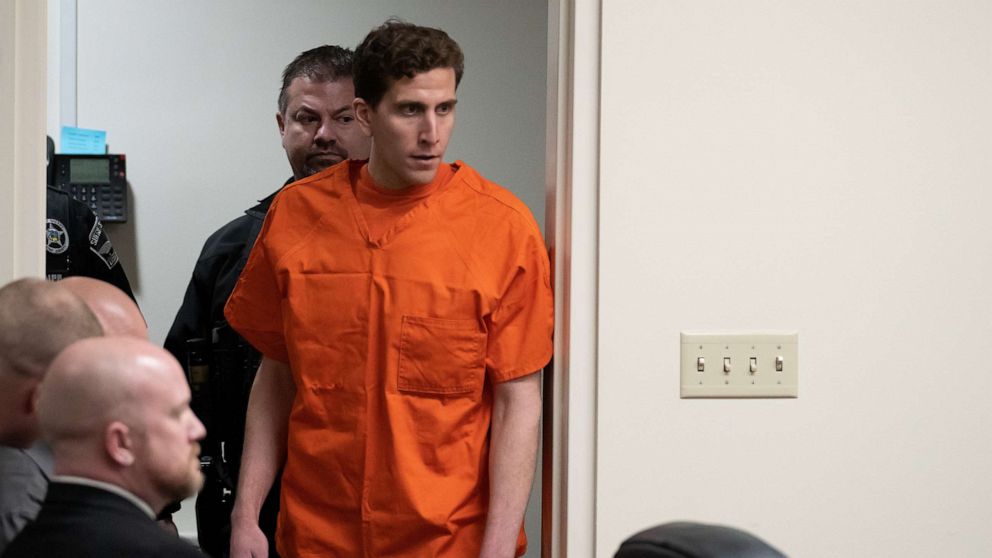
403,306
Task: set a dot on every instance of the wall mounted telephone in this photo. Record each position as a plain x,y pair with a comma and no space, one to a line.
99,181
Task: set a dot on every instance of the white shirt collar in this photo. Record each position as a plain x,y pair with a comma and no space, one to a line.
129,496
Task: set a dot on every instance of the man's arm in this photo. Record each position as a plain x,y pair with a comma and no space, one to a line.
512,455
266,428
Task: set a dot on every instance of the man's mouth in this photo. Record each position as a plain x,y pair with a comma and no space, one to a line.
326,158
424,161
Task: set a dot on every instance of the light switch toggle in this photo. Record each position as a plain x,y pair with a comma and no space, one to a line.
779,363
753,365
700,364
726,365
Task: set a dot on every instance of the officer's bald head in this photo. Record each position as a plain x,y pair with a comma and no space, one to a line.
37,320
117,313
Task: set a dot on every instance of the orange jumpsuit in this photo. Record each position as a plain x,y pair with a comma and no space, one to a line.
394,344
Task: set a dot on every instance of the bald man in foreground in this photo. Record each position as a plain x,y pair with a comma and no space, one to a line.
118,314
37,320
115,411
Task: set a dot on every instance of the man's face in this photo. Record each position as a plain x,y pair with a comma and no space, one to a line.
18,422
410,128
170,452
319,129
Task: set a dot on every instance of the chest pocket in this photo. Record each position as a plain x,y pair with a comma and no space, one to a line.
440,356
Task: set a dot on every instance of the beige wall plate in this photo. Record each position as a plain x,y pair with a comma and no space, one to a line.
740,364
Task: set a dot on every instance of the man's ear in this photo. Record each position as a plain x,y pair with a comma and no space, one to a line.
31,399
363,113
281,121
119,443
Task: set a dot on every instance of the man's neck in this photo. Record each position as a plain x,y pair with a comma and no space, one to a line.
383,181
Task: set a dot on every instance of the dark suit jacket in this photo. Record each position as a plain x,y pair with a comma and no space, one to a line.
85,522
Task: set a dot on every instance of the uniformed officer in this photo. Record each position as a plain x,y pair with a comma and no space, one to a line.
316,122
76,243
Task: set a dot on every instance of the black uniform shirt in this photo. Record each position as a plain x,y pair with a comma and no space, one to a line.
76,243
224,255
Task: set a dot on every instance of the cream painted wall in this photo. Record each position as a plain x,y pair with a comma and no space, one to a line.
22,140
817,166
7,139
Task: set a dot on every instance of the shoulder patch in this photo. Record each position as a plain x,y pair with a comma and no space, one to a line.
101,246
96,232
56,236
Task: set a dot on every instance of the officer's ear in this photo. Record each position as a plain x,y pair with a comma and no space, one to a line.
281,122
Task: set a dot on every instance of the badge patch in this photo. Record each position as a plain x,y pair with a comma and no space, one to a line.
96,232
56,237
101,246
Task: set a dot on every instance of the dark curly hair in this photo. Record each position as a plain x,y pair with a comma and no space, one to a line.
397,49
324,63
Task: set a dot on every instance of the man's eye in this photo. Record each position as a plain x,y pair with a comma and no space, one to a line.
409,110
346,119
306,118
444,109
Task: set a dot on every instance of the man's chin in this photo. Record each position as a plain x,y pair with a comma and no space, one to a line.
192,486
180,488
196,483
313,168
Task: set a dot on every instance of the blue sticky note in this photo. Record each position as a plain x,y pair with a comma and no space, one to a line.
80,141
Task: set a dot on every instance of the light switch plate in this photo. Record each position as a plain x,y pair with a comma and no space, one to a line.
740,347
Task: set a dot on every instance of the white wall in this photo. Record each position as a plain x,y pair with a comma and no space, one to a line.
818,166
187,90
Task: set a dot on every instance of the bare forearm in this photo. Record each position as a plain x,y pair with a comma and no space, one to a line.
512,454
266,428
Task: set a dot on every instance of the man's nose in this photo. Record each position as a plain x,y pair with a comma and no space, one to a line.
197,430
428,129
325,133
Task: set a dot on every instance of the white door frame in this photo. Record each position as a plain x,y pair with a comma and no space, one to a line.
23,55
572,230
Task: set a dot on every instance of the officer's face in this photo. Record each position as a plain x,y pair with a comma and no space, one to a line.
410,128
318,128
